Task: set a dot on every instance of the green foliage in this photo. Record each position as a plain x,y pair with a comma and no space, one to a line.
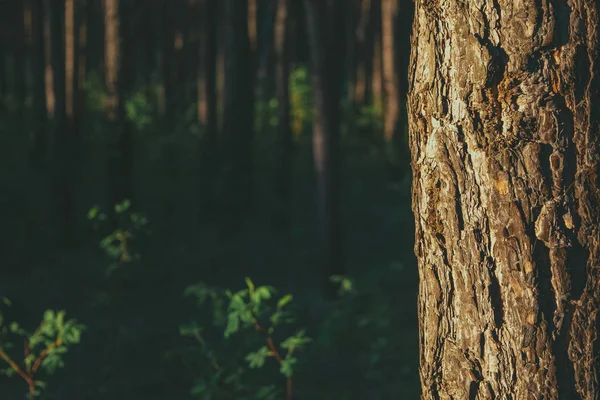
370,118
255,309
139,110
365,320
95,94
44,348
118,244
301,100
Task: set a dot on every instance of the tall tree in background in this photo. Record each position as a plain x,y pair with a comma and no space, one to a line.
325,27
120,140
505,137
20,48
284,131
207,98
389,17
63,190
38,64
238,113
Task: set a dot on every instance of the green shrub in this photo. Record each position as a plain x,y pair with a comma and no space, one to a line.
43,349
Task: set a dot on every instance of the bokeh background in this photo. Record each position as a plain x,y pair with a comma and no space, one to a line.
149,146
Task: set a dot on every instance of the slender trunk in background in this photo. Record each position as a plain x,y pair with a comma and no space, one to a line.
207,99
389,16
505,140
363,39
72,105
120,140
95,55
283,166
324,29
172,45
253,24
39,140
238,120
377,65
220,73
20,63
48,60
62,147
352,18
168,61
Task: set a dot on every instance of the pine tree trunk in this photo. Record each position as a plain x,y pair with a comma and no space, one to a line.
238,119
389,15
207,99
120,140
39,111
325,63
504,121
284,130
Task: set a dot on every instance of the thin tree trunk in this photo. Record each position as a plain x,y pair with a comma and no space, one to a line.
326,130
238,121
62,180
389,15
20,60
377,66
120,143
207,99
39,110
363,34
284,132
48,60
505,141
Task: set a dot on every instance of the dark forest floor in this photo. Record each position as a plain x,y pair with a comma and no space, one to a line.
132,324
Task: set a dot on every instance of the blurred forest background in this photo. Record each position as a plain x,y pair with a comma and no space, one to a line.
156,153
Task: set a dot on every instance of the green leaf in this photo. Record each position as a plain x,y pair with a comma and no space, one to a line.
283,301
190,329
295,341
250,285
257,359
93,213
233,324
49,316
287,366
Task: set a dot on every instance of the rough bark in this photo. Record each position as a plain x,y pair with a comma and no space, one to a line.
504,127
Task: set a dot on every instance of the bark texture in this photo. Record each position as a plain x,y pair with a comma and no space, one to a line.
504,128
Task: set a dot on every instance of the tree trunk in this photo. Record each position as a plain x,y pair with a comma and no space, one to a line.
389,15
505,140
39,141
120,142
207,99
376,72
363,68
285,138
238,120
62,179
20,59
326,130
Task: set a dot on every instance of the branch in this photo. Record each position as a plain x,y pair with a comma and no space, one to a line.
18,370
